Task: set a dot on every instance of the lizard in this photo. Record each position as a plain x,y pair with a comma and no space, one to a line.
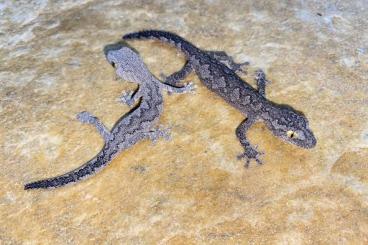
218,72
134,126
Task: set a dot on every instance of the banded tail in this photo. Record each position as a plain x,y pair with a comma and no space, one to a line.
86,170
164,36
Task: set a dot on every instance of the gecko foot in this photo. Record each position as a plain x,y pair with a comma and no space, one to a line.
249,154
127,98
159,132
190,87
261,76
86,117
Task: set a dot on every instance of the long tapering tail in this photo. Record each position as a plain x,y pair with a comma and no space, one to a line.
165,36
84,171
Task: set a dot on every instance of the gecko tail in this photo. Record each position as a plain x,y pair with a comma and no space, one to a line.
84,171
165,36
152,34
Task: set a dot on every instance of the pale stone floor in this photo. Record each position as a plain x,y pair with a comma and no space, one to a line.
190,190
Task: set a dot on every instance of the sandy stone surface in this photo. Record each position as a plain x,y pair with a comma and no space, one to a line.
192,189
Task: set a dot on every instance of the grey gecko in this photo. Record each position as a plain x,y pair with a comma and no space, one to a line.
134,126
221,78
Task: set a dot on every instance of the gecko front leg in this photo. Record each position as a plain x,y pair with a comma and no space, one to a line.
88,118
176,77
261,82
249,151
130,97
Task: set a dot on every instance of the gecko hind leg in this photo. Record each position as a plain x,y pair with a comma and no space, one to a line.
130,97
178,76
260,77
88,118
226,59
189,87
250,152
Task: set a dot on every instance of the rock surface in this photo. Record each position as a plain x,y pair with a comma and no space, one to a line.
190,190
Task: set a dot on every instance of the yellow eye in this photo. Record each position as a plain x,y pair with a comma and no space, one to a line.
291,134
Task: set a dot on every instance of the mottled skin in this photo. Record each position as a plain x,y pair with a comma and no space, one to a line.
283,121
138,124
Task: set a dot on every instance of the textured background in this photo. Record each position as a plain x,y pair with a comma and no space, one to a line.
191,190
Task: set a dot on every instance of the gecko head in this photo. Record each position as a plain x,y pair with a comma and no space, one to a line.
125,61
291,126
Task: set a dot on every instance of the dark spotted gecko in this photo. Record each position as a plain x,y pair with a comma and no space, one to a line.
283,121
134,126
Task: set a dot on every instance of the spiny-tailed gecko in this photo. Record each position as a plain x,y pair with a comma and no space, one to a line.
138,124
283,121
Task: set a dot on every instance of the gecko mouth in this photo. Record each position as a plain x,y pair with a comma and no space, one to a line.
312,142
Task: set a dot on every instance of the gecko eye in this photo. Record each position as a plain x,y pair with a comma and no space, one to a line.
291,134
113,64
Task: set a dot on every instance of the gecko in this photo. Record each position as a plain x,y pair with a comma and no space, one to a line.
218,71
138,124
